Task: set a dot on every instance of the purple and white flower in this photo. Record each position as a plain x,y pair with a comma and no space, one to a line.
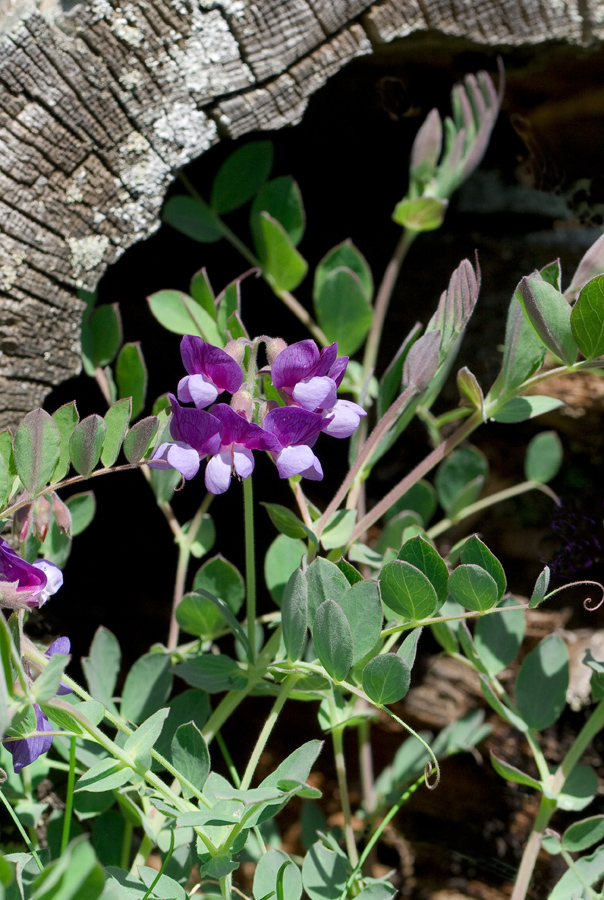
25,751
296,431
26,585
195,433
210,372
239,438
310,379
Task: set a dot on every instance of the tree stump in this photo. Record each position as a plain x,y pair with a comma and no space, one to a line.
102,103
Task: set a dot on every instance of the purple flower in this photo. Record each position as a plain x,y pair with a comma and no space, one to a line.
26,585
195,432
296,430
210,369
310,379
26,750
239,438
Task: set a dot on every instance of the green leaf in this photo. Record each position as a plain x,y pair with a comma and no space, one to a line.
324,873
474,588
504,712
201,291
47,684
282,559
498,637
460,478
164,482
552,273
408,648
421,213
390,382
106,775
76,875
37,447
581,835
363,610
338,530
66,419
588,869
241,176
523,352
205,538
288,523
294,615
229,304
386,679
86,443
131,376
543,457
139,439
179,313
345,256
188,706
352,575
102,665
190,755
519,409
420,499
475,552
281,262
325,582
332,640
540,589
542,683
82,508
222,579
116,420
281,199
548,312
140,742
587,319
270,870
197,615
101,337
147,687
407,591
342,310
420,553
511,773
193,218
578,790
212,673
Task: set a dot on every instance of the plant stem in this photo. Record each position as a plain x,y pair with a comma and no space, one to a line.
418,472
286,689
531,851
594,724
366,764
127,845
364,454
491,500
69,796
250,563
337,736
22,831
182,566
382,300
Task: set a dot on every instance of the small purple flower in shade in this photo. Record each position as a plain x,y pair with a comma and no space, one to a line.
26,750
196,433
296,430
239,438
26,585
210,372
310,379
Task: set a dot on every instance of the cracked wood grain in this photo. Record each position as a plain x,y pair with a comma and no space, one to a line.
102,102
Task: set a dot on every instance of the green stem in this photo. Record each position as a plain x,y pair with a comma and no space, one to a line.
184,556
337,736
126,844
592,727
69,796
491,500
286,298
22,831
286,689
250,563
593,895
231,701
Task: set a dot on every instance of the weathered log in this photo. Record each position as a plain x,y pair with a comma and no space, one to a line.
102,103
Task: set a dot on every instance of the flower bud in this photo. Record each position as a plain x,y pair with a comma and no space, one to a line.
427,145
235,350
61,513
265,407
274,348
242,402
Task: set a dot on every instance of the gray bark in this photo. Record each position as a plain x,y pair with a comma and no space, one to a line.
101,103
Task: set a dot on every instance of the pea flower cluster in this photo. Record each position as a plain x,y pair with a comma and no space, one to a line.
307,381
26,585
